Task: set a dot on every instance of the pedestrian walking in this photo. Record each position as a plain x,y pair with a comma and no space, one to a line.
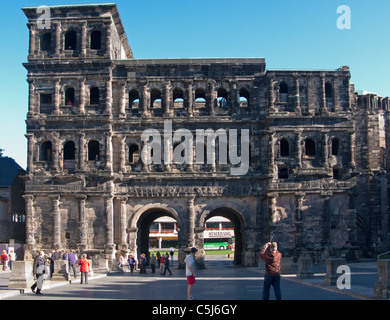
121,263
12,258
55,255
166,265
190,272
172,252
272,258
84,268
39,271
72,260
153,263
158,257
4,259
162,260
142,263
131,263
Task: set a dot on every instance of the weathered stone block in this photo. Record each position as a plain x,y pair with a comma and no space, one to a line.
21,275
305,268
61,272
331,270
382,286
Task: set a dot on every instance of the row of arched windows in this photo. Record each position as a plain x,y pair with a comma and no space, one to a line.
284,91
178,97
70,40
69,151
309,147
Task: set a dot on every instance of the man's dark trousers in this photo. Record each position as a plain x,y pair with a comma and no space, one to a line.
272,281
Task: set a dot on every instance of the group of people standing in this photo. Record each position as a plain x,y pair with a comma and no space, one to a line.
7,259
158,261
42,271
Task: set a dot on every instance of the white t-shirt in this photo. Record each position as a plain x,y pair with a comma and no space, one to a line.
190,262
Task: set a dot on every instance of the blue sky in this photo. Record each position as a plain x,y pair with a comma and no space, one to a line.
291,34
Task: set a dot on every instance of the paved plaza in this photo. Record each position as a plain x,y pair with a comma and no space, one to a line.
221,280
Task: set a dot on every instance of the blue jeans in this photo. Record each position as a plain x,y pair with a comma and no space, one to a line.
272,281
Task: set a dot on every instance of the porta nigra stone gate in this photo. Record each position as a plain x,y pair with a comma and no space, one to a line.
316,181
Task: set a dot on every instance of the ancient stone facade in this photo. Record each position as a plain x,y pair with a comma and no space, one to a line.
316,180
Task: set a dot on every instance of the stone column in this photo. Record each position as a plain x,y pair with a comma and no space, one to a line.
271,152
56,98
82,96
110,219
55,152
83,38
297,96
122,101
30,239
310,95
122,158
190,99
82,152
167,101
213,98
336,94
55,200
108,39
325,151
323,108
31,51
298,139
108,107
234,99
352,162
298,219
57,48
123,220
30,152
108,152
191,221
83,222
32,101
271,91
145,101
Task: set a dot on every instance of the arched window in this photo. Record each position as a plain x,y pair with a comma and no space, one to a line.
283,92
328,90
133,153
96,40
155,99
93,150
284,148
45,151
94,96
69,150
335,147
133,99
222,97
70,40
310,147
244,97
69,97
46,41
178,98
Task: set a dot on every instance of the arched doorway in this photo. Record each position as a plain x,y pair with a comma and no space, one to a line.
237,222
145,219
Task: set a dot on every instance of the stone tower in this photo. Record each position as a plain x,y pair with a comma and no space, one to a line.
116,142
